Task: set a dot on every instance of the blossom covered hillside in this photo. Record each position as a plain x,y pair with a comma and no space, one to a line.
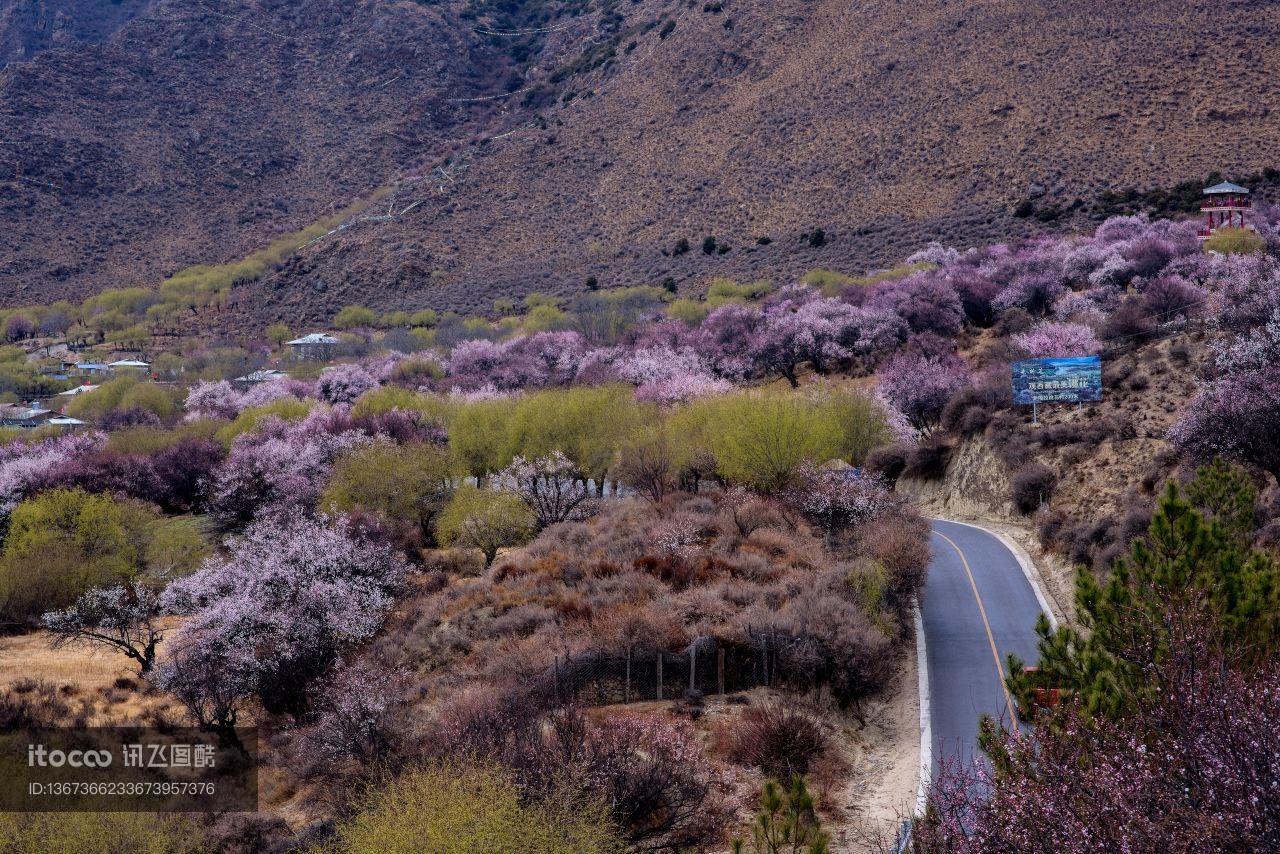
629,556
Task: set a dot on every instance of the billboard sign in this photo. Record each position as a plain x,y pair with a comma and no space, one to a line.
1073,380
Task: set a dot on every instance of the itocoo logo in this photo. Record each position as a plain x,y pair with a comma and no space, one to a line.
39,756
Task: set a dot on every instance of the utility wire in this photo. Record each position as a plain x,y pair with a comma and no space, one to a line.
241,20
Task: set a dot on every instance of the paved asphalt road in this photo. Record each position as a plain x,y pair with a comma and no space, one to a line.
978,607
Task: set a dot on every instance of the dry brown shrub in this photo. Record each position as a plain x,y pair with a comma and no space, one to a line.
827,772
31,703
641,576
572,606
743,512
461,562
779,740
1031,486
786,548
899,543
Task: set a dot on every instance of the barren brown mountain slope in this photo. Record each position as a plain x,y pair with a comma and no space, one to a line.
198,131
885,123
28,27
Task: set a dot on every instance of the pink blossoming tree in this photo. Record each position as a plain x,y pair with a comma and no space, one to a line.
663,375
1057,340
274,613
345,383
282,463
919,387
551,486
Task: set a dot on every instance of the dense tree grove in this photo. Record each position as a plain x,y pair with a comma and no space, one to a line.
1185,564
64,542
1192,767
1050,340
1235,415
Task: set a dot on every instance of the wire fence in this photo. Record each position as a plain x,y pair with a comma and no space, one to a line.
1181,323
709,666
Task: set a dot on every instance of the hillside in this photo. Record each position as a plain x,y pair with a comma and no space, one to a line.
29,27
884,124
640,560
193,134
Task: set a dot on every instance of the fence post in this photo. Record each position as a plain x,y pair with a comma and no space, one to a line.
626,682
720,670
764,660
768,676
693,666
659,674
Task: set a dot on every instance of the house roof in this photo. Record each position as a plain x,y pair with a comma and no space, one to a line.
261,376
1224,187
23,413
65,421
129,363
316,338
80,389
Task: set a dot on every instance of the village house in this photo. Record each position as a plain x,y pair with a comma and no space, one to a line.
23,415
251,379
77,391
318,346
130,366
28,416
82,370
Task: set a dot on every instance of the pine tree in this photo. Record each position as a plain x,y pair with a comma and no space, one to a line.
1186,570
1226,494
787,822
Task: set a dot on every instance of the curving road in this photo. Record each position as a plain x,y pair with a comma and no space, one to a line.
978,606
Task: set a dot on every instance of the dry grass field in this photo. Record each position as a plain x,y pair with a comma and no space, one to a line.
30,656
100,684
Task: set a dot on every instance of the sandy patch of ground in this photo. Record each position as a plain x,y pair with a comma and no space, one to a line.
881,791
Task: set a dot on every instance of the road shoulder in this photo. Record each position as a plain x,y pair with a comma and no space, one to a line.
884,789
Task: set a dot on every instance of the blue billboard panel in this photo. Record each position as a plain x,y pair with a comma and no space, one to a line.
1070,380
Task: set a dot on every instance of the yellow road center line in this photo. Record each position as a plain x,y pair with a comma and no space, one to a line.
986,624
